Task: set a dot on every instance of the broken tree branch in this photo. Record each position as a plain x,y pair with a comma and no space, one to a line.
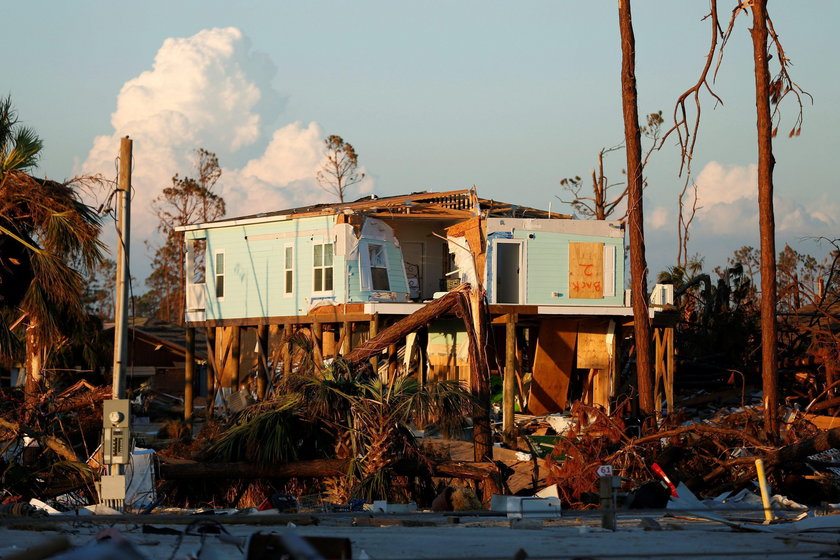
51,442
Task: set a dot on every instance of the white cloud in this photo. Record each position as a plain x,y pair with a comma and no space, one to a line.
211,91
728,205
658,218
724,184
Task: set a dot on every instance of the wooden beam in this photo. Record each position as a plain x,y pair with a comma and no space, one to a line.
262,360
374,331
317,340
509,382
346,338
235,358
213,370
189,374
287,349
327,316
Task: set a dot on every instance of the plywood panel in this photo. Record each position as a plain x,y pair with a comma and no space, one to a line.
586,270
553,362
592,351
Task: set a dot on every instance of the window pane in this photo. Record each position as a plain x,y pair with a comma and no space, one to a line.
220,263
289,254
328,254
289,279
377,255
220,286
319,280
328,279
318,256
379,278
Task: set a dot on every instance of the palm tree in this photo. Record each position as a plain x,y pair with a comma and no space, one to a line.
47,235
364,418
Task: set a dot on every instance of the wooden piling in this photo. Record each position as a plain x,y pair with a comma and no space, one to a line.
509,381
287,349
347,337
189,374
374,330
235,358
213,370
262,360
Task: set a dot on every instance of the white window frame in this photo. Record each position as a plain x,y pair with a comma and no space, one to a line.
217,274
323,243
289,290
609,271
366,276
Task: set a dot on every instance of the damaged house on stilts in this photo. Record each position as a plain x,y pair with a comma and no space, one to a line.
554,316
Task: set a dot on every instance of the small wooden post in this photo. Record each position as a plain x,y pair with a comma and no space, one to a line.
262,360
287,349
189,374
422,342
509,382
347,336
317,347
328,341
212,369
659,379
608,502
235,357
374,330
670,368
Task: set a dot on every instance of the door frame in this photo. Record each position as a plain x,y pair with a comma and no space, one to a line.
523,270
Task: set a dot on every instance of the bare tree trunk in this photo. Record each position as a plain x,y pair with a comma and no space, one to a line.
34,364
766,217
635,215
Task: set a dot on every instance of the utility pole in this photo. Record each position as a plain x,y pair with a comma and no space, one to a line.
116,412
123,277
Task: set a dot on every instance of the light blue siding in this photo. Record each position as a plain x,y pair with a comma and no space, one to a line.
396,273
547,268
254,268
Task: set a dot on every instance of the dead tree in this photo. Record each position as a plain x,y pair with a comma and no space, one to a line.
599,206
635,215
340,169
769,91
766,218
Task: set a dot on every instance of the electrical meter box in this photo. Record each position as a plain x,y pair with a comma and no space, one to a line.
116,444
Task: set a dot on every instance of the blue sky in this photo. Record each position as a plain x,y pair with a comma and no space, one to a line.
510,97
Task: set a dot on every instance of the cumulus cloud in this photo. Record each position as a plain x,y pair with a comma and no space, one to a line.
728,205
658,217
212,91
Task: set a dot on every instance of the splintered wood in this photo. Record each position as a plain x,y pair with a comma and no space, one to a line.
586,270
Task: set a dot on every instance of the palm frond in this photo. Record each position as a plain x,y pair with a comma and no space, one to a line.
23,150
265,435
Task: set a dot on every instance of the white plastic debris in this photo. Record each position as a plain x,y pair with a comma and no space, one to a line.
35,502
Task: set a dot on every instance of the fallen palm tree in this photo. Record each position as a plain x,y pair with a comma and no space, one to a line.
346,427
